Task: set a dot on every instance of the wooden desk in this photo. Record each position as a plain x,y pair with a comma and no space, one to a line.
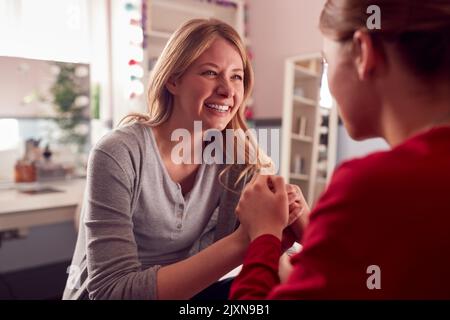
21,210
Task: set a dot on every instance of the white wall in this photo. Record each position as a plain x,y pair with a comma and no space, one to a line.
45,29
281,29
278,30
347,148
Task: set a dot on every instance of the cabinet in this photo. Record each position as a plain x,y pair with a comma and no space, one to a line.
309,126
165,16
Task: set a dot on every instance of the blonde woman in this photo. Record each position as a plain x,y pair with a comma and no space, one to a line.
153,228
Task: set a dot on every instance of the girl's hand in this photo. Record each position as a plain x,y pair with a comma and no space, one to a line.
284,267
263,209
297,208
297,203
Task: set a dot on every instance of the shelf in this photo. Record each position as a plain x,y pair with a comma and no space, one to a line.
172,5
166,16
297,137
305,73
322,148
324,111
196,8
298,176
305,101
323,130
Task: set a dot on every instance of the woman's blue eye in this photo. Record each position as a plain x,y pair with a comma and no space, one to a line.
214,73
209,73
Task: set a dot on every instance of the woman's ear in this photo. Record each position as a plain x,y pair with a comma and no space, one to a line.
172,85
365,56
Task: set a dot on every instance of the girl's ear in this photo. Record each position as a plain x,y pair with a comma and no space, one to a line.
365,57
172,85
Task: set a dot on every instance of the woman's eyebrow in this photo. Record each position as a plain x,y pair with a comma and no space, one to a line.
217,67
209,64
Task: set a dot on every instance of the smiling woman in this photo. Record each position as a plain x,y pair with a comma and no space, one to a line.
211,90
211,75
152,228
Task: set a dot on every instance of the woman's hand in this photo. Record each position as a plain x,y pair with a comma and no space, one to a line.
241,236
263,207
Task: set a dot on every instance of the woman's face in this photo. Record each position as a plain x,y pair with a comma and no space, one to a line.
212,88
356,98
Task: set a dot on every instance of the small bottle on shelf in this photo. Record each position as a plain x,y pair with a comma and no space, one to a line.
302,128
299,163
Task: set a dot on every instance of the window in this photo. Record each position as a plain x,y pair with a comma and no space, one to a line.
9,134
45,29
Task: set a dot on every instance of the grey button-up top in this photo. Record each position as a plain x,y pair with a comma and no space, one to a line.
135,219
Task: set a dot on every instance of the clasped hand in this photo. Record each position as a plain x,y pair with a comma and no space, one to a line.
268,206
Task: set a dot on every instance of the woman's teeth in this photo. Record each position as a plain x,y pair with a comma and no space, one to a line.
217,107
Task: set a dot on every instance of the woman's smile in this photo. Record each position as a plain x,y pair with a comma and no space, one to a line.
221,110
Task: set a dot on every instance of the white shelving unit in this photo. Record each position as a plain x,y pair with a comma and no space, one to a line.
165,16
309,129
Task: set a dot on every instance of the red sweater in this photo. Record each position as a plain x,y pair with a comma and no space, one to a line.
390,209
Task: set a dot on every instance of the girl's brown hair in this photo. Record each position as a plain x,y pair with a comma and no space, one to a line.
184,46
420,29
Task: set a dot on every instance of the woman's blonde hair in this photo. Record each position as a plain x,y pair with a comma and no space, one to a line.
184,46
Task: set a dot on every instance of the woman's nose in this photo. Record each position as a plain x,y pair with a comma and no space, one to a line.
225,89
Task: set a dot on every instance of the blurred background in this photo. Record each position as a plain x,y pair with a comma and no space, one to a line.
71,69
